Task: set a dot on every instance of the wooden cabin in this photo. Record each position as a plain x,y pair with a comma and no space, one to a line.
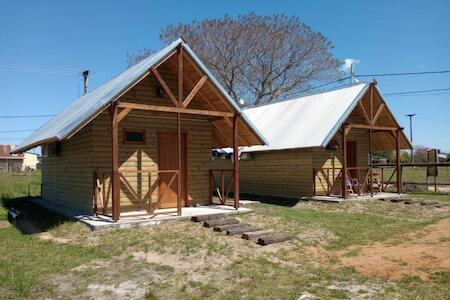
320,144
142,141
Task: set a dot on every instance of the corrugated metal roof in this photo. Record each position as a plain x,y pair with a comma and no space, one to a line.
309,121
90,105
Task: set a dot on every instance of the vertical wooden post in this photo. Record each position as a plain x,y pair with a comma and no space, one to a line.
236,161
371,140
115,162
344,162
397,154
180,101
180,179
180,77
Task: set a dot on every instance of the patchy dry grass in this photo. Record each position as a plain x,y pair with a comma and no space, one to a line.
183,260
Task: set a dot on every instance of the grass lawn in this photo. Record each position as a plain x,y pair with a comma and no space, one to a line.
183,260
417,175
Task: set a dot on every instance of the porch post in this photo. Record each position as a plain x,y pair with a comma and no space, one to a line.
180,182
180,101
236,161
115,162
344,162
371,139
397,154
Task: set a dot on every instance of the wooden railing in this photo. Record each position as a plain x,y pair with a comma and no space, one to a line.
359,178
103,186
223,187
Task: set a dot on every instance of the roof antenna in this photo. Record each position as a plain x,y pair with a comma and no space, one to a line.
352,73
85,78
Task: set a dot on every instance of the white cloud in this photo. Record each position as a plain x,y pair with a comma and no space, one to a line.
348,64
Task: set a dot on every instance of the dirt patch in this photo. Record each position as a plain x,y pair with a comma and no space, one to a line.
4,224
47,236
418,253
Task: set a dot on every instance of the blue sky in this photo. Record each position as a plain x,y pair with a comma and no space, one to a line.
385,36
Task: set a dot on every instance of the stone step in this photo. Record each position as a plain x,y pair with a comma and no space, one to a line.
222,228
272,239
203,218
236,231
255,234
218,222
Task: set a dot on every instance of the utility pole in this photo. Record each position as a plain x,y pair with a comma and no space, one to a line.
85,77
411,135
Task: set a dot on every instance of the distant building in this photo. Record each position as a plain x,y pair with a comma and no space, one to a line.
16,162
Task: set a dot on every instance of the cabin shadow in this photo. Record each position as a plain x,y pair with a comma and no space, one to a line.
34,218
273,200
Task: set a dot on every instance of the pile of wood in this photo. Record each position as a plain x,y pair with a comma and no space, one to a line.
232,227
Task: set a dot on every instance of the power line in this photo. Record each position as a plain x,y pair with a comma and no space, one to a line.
20,130
420,92
404,73
29,116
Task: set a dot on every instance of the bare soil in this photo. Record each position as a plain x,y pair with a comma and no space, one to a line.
418,253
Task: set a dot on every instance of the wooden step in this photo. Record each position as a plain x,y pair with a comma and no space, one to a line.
272,239
203,218
238,230
218,222
221,228
255,234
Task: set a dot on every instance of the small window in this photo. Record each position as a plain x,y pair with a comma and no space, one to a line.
134,136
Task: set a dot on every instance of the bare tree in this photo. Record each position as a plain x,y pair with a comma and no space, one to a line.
259,58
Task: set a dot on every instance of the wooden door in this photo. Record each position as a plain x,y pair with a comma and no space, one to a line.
168,161
352,158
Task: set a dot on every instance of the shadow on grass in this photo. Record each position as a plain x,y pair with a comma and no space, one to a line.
35,218
281,201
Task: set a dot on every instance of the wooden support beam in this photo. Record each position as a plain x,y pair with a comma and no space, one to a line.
364,111
236,161
370,161
123,114
344,162
180,165
180,76
194,91
397,161
379,128
164,86
115,162
175,109
378,113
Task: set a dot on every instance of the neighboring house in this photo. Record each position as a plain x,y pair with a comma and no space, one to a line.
306,144
30,161
143,140
10,162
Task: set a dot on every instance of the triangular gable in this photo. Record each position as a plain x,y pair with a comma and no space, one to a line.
87,107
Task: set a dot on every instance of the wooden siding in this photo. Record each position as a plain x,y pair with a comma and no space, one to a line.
67,178
144,158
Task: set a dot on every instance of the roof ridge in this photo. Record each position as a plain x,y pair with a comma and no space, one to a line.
306,95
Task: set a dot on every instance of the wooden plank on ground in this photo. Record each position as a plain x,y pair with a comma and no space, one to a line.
222,228
239,230
203,218
217,222
256,234
272,239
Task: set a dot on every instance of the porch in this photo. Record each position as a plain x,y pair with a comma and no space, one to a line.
142,218
370,127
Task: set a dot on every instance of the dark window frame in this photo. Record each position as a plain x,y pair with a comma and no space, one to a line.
134,130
